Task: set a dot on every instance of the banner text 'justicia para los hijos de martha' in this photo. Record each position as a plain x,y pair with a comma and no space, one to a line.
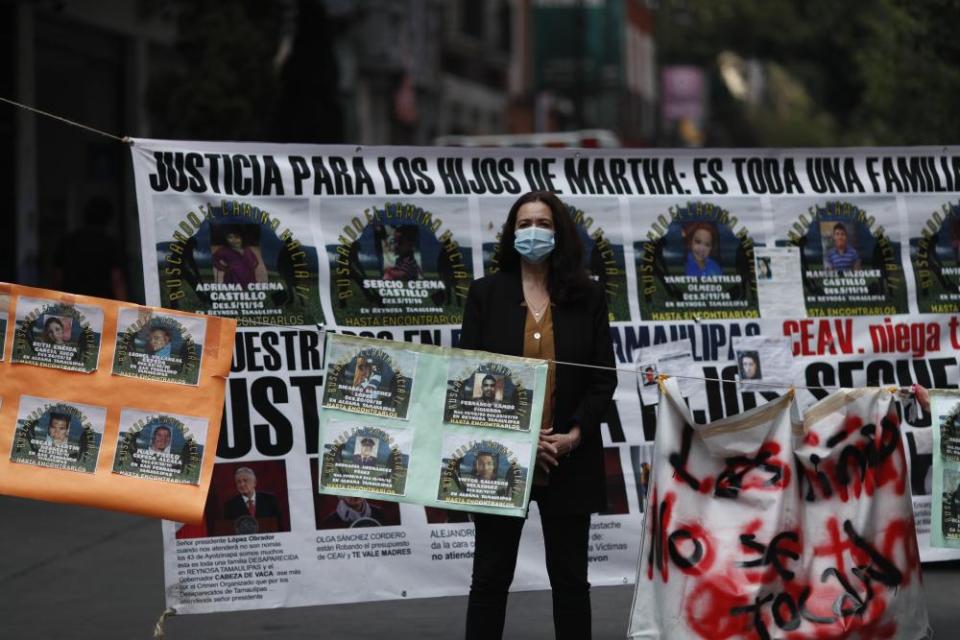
713,261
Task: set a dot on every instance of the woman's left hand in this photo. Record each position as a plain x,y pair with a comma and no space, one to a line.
564,443
923,397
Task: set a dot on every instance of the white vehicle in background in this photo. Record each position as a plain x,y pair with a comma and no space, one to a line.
586,138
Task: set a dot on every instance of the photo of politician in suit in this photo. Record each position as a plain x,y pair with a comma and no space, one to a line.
252,503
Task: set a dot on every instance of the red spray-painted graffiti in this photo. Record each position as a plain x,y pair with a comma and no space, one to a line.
836,583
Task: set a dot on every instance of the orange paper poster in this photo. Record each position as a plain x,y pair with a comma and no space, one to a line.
108,404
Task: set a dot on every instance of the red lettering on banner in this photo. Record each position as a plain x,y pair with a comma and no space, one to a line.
820,337
901,534
836,546
708,609
914,338
762,472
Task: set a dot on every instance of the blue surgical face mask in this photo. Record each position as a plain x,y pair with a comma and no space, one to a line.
533,243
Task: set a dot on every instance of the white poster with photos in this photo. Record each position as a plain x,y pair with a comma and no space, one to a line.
648,362
779,282
765,360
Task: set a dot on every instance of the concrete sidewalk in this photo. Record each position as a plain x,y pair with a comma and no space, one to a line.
69,572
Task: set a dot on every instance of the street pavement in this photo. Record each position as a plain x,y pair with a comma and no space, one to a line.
69,572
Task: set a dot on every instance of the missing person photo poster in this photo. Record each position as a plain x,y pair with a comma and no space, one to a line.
398,262
368,376
61,335
779,282
161,447
159,346
485,472
935,253
253,260
365,458
601,231
849,253
696,258
489,394
58,434
764,359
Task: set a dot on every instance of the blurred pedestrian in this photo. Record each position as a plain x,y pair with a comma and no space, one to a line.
90,261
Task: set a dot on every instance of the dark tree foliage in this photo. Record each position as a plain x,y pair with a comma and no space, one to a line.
875,72
228,81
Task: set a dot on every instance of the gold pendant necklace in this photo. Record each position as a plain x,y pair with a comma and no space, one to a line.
537,314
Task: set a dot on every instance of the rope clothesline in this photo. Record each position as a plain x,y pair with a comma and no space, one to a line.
72,123
635,371
321,330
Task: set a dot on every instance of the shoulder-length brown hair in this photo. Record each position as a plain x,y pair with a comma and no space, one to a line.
567,279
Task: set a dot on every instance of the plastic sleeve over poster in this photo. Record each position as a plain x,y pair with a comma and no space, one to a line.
467,439
820,268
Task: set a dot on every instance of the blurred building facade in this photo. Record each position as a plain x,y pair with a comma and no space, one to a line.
87,61
405,72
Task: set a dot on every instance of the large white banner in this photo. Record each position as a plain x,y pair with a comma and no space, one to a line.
766,526
847,258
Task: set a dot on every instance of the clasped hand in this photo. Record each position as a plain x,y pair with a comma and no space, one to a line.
552,447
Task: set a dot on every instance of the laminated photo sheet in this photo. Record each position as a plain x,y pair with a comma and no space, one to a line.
439,427
945,494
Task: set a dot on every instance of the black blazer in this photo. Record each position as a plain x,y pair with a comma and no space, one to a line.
267,506
493,320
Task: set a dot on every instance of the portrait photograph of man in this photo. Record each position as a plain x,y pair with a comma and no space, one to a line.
648,374
159,342
161,440
839,253
244,498
58,431
485,466
487,388
365,454
367,375
255,506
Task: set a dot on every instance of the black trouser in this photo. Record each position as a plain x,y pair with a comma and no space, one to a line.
495,558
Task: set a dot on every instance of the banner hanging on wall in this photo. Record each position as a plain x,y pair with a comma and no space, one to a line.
846,255
108,404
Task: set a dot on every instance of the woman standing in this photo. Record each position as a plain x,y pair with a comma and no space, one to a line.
542,304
